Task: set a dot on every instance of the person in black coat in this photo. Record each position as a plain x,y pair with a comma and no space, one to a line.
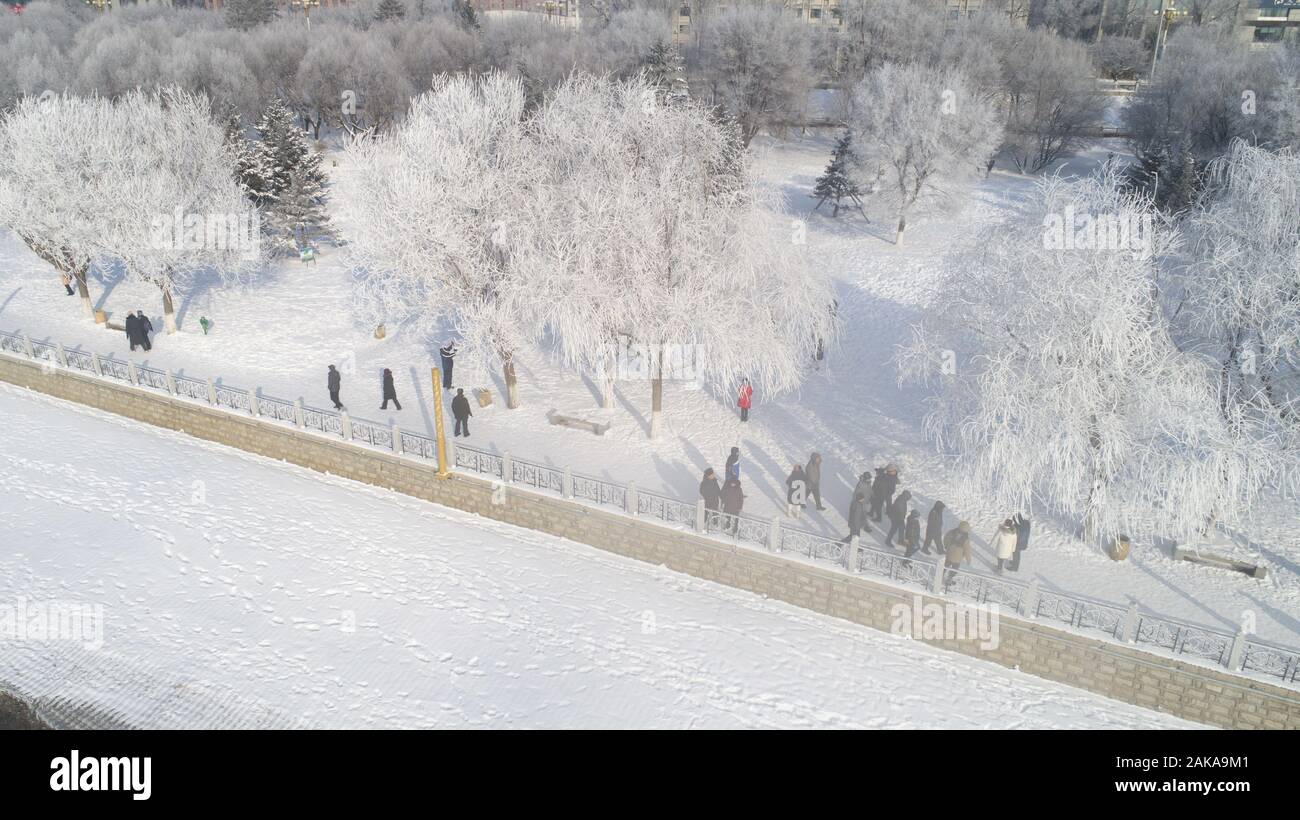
857,515
897,516
711,492
733,501
934,530
878,494
460,409
335,382
732,468
390,391
132,330
1021,522
912,533
448,353
145,327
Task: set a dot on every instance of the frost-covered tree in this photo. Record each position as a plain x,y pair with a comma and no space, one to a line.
1119,58
351,80
1052,99
247,14
921,133
390,10
1243,287
434,207
655,237
1059,384
837,183
755,62
298,216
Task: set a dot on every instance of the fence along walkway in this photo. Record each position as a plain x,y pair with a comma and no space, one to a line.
1237,653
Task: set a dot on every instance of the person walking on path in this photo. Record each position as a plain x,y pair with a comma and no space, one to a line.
390,391
132,330
796,491
1004,544
146,327
1022,539
878,494
66,279
813,475
934,530
956,548
897,516
335,383
745,398
733,501
448,353
912,533
857,516
460,409
712,495
732,470
891,484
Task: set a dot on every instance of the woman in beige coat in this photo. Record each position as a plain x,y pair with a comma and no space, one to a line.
1004,544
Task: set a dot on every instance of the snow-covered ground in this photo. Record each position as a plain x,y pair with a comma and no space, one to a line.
281,332
239,591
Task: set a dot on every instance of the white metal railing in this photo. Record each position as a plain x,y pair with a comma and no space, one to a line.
1125,624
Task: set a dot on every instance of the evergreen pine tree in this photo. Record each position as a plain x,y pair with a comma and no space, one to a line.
1184,182
464,14
299,217
245,160
246,14
663,67
390,10
293,191
837,182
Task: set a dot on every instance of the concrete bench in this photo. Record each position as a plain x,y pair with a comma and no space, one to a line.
1198,554
576,423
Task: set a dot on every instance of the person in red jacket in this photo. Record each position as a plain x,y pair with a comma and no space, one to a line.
745,398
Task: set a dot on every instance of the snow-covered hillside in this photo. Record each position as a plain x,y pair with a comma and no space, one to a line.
238,591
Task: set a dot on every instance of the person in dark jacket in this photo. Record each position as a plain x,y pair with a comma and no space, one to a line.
390,391
733,501
1021,522
796,491
878,495
132,330
460,409
732,470
857,515
145,327
712,495
813,475
897,516
891,484
335,382
934,529
864,485
448,353
912,533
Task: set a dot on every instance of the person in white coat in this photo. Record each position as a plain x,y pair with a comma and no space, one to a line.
1004,544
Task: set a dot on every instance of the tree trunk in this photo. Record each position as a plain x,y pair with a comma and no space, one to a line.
512,384
607,381
79,273
657,395
169,310
902,226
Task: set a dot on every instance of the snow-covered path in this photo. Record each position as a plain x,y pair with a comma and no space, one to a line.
281,332
242,592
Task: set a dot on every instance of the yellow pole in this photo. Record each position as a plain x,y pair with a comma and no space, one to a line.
439,431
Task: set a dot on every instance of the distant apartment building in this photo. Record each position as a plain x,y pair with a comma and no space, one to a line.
1264,22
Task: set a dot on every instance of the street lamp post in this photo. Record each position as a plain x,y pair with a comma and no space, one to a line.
306,6
100,5
1167,13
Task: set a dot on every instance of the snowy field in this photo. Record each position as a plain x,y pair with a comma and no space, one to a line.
239,591
281,332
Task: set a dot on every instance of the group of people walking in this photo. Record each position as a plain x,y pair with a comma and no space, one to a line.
875,499
460,409
138,327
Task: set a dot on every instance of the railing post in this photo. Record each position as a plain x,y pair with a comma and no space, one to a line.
630,499
699,515
1129,633
131,372
297,413
171,383
397,440
212,393
451,454
94,362
507,468
939,567
567,483
345,425
851,555
27,343
254,409
1237,651
1029,601
774,534
63,354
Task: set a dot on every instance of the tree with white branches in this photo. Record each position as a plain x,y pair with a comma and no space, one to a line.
436,209
921,133
655,237
1060,385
